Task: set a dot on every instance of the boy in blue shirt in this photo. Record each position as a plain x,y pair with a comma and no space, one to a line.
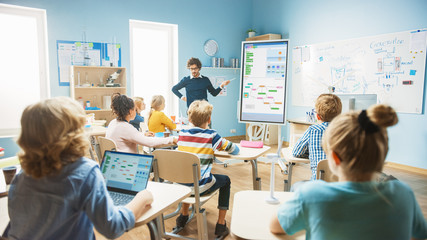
327,107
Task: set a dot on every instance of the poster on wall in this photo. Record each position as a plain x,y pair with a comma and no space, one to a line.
71,53
392,66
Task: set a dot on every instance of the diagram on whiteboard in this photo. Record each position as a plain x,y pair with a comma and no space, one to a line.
263,82
391,66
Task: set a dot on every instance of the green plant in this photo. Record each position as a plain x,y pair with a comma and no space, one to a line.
251,30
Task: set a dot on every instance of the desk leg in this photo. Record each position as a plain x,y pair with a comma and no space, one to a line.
154,234
256,180
288,183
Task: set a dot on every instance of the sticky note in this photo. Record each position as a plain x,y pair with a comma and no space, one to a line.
78,44
412,72
117,45
321,59
91,44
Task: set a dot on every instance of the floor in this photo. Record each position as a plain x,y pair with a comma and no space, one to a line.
241,179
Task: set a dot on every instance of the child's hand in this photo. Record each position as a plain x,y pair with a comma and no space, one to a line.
175,140
149,134
183,98
145,195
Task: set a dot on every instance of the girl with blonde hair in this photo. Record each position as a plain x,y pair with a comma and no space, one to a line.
60,194
157,120
139,107
355,207
124,134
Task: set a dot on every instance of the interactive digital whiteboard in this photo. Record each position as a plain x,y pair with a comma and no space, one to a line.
390,65
263,81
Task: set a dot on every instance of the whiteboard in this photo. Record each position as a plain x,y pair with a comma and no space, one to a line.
390,65
263,81
85,54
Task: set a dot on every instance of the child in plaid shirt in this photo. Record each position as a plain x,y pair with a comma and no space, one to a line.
309,145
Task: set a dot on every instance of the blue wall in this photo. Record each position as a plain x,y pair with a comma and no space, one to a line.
198,20
311,21
303,22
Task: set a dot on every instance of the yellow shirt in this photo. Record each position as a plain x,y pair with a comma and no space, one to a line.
158,121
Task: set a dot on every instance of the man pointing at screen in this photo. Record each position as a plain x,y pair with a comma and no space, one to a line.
196,85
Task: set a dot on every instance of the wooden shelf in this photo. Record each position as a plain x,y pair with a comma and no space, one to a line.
97,88
269,36
94,75
221,68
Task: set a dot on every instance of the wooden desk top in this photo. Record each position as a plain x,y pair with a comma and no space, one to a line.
245,153
287,154
300,121
165,196
251,215
96,130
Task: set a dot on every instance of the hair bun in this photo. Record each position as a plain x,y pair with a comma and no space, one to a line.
382,115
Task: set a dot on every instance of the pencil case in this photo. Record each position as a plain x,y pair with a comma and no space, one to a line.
251,144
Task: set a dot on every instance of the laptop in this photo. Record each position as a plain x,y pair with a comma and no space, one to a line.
125,174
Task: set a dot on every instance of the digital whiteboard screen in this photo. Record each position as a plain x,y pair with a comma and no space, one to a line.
263,81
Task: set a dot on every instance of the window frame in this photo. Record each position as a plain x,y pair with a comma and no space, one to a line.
41,22
172,29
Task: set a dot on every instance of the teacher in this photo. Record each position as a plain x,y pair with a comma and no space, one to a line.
196,85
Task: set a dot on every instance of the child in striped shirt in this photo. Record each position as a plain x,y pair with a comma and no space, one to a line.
327,106
203,141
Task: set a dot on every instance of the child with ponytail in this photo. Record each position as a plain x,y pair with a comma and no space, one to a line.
355,207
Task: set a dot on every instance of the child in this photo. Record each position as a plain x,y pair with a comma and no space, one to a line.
60,194
204,141
327,106
139,107
123,134
157,120
356,207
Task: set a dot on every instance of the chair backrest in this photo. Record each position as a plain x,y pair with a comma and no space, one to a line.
106,144
143,127
324,173
176,166
256,132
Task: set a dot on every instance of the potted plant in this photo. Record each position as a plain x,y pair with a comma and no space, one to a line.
251,32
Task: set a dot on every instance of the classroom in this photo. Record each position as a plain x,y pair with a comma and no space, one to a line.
192,24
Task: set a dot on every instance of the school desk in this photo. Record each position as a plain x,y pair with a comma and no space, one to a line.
94,132
251,214
164,197
248,154
297,129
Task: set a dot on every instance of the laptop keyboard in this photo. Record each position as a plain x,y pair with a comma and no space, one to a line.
121,199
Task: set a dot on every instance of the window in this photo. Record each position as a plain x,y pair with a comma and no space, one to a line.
23,63
154,62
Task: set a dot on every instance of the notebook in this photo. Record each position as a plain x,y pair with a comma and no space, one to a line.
125,174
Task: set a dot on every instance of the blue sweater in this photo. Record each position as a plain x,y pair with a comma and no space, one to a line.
195,88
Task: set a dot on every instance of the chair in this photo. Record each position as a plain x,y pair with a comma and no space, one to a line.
324,172
256,132
182,167
106,144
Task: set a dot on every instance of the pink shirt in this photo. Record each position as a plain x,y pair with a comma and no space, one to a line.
127,137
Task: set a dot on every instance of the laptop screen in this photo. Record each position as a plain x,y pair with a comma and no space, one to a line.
124,172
